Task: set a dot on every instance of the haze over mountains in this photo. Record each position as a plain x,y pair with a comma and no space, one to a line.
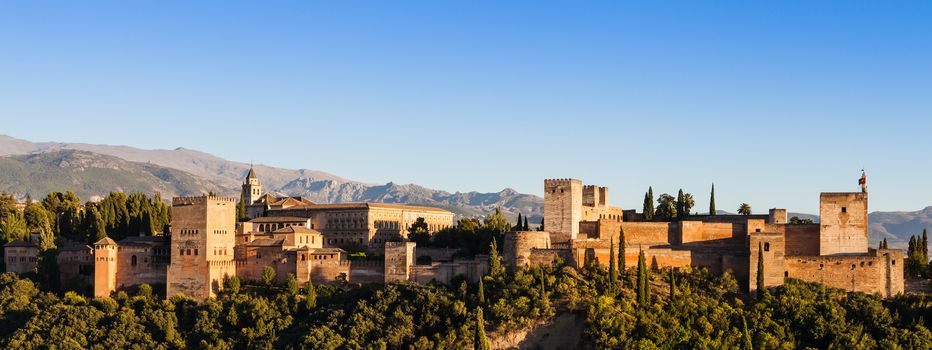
36,168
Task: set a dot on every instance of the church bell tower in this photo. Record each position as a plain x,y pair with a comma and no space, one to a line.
252,190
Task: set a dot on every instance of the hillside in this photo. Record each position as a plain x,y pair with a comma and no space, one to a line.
90,174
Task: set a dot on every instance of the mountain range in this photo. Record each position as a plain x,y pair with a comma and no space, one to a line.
36,168
91,171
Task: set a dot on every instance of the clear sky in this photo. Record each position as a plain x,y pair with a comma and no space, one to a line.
774,101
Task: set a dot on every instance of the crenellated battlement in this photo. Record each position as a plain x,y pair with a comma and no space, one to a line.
558,182
201,200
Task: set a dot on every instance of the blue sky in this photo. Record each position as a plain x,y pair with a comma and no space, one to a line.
774,101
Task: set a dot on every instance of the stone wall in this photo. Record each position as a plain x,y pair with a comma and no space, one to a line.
562,208
76,267
21,259
843,220
517,246
801,239
773,246
399,256
879,272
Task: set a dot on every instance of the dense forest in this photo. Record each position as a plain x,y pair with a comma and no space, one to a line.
672,310
619,308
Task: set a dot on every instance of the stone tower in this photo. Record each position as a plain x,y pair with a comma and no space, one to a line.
105,267
252,190
563,199
843,223
202,240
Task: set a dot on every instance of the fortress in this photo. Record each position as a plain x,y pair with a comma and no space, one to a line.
581,225
294,236
207,245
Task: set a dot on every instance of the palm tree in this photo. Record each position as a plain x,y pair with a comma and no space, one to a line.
688,203
744,209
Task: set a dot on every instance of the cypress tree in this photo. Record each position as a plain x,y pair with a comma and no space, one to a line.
526,227
495,262
519,225
541,227
481,341
912,246
680,205
712,201
241,207
310,297
543,285
612,271
621,250
747,334
761,290
642,280
925,246
649,204
884,244
481,293
672,285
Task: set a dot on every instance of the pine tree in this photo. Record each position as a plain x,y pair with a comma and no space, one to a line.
495,262
481,341
712,201
621,250
612,271
761,290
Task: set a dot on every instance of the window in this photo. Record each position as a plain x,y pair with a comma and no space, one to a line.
786,274
134,260
844,209
766,247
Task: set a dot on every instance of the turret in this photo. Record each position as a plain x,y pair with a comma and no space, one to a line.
252,189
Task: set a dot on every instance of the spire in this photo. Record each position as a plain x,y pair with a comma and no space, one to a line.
251,174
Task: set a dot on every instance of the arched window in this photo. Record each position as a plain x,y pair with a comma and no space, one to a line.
766,247
134,260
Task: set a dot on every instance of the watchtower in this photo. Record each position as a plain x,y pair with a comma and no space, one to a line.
105,267
202,241
563,202
843,223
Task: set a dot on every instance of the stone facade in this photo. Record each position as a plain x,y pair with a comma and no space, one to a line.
202,245
834,252
843,217
21,257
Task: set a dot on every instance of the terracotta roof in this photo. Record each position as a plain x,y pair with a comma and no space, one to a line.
105,241
296,229
337,206
20,243
144,240
266,242
266,219
72,246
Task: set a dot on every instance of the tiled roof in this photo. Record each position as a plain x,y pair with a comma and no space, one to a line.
296,229
20,243
266,242
267,219
105,241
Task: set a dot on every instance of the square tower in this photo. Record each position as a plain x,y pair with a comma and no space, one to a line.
202,240
562,208
843,223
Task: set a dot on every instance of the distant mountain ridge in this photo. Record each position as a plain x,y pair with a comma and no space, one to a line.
95,170
222,176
